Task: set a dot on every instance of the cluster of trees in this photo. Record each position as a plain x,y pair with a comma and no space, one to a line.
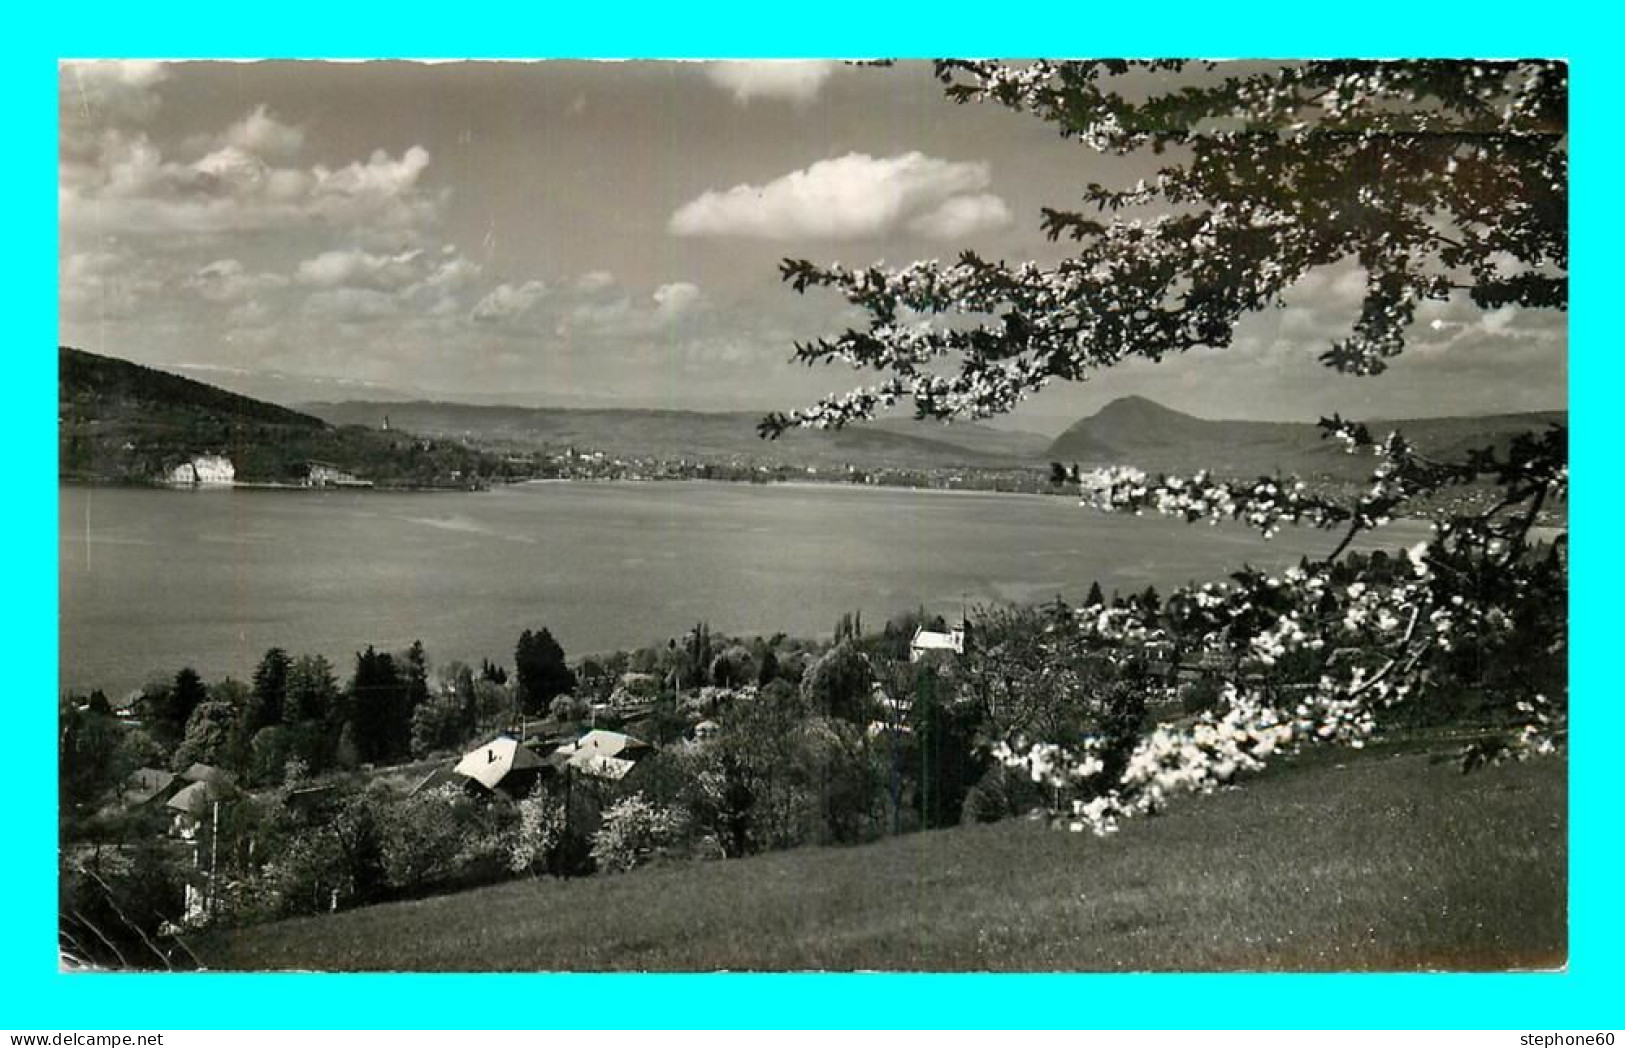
869,743
294,720
1442,181
294,714
815,742
697,660
389,459
541,670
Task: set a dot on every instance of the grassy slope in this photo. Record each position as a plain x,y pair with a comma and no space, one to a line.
1389,862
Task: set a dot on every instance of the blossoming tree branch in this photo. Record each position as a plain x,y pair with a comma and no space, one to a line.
1442,180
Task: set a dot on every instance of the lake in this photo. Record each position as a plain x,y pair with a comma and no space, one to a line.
152,580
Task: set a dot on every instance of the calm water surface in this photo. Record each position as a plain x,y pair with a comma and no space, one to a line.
152,580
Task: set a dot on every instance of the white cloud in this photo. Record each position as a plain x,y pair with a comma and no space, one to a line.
619,315
126,185
262,134
226,280
420,280
252,313
351,305
357,268
673,300
961,216
507,302
106,94
103,284
602,316
852,196
450,275
597,280
87,264
781,80
1459,326
379,176
447,306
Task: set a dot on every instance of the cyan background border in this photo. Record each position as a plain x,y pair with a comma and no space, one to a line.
34,995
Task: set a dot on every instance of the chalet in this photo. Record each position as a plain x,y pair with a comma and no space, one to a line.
504,765
926,641
195,804
606,754
146,785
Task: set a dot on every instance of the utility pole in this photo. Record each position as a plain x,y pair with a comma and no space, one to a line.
214,858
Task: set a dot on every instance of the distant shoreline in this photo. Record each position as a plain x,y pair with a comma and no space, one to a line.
257,485
1539,532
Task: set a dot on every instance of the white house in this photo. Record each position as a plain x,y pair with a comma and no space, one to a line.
204,469
327,475
931,640
214,469
606,754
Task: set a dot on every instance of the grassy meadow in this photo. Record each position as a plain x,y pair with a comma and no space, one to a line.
1348,861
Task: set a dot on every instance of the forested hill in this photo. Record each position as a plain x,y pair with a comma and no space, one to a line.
1140,432
120,421
112,391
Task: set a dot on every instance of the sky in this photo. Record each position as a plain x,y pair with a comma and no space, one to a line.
608,234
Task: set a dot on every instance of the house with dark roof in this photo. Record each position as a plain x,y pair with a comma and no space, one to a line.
503,765
146,785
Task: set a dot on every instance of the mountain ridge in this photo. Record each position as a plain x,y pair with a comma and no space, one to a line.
158,417
1132,430
679,432
1141,432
